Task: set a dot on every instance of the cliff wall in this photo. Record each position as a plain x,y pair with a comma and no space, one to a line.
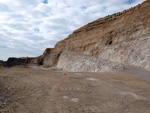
107,44
78,62
122,38
84,38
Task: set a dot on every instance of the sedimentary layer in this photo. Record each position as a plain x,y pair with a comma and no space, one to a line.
122,38
78,62
117,40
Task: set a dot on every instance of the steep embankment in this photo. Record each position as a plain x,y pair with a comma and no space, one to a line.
121,38
105,30
73,61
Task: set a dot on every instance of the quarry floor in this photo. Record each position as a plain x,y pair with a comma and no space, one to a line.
26,90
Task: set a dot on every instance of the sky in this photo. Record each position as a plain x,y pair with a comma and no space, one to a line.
28,27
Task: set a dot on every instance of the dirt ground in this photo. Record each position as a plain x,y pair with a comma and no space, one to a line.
26,90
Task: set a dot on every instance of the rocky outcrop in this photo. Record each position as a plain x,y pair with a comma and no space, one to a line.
78,62
86,37
47,59
107,44
122,38
15,61
129,48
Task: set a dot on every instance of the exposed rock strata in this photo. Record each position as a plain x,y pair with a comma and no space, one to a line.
72,61
119,39
124,40
89,36
19,61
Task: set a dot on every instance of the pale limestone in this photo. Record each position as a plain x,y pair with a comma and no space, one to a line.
75,62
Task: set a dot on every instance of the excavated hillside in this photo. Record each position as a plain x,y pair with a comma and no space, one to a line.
107,30
107,44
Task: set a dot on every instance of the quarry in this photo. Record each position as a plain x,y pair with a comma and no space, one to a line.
106,65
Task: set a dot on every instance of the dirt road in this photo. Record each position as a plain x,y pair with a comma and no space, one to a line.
26,90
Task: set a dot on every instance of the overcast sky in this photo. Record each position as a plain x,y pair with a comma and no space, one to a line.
28,27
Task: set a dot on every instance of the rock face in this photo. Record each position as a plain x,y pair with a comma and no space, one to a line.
17,61
107,44
121,38
47,59
14,62
72,61
105,30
